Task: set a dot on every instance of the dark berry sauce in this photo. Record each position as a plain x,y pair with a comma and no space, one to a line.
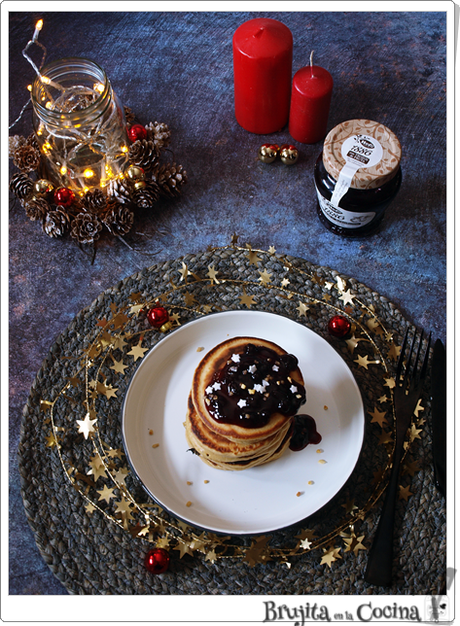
304,433
253,385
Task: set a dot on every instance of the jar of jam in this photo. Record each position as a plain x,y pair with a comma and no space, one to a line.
357,175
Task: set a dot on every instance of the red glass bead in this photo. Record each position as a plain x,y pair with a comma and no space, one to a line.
157,560
339,326
137,131
64,197
157,316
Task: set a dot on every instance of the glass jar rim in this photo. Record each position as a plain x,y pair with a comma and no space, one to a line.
70,66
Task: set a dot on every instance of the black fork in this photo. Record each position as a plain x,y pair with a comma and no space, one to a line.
406,394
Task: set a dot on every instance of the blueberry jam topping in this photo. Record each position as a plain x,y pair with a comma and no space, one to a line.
304,432
253,385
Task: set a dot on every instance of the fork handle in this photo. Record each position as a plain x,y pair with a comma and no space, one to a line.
380,561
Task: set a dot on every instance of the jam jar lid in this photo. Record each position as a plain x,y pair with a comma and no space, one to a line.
365,177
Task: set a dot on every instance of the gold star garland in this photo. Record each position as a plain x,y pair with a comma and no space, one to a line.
117,343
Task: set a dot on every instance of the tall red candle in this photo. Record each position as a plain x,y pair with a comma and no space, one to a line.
310,102
262,65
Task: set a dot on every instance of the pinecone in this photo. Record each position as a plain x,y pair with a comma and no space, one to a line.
36,208
119,189
160,134
143,153
129,115
26,158
32,141
119,219
21,185
14,141
145,198
170,177
95,201
56,222
86,228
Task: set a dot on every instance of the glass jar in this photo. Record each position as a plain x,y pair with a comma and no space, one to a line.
357,175
79,124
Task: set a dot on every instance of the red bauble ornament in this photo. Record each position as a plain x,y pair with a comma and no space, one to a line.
157,316
157,560
137,131
339,326
64,197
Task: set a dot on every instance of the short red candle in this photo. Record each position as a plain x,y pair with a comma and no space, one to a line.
262,66
310,102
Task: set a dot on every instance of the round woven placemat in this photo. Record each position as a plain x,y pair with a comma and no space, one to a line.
73,495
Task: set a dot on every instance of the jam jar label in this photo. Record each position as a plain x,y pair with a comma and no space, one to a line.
340,217
359,151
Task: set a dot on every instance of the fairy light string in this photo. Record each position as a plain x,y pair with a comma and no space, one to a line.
125,331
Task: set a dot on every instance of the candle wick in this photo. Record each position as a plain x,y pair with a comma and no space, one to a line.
259,32
311,64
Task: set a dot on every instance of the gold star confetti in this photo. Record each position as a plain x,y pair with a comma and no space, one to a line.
136,308
394,352
184,272
106,494
255,554
363,361
404,493
265,277
246,299
328,285
410,467
347,297
378,417
390,383
352,343
418,408
341,284
174,317
189,298
285,282
51,441
350,506
123,506
211,556
414,433
383,399
272,250
86,426
183,547
137,351
90,507
118,366
302,309
354,543
212,274
330,555
253,258
97,467
385,438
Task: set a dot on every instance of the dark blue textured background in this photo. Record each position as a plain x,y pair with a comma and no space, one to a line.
177,68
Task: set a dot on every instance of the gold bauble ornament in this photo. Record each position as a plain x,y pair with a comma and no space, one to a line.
289,154
268,152
140,184
42,187
134,173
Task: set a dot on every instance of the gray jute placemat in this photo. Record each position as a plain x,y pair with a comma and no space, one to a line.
93,523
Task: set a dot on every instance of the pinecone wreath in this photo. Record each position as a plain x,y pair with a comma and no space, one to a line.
111,210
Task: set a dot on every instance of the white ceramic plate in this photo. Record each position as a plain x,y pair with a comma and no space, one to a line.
256,500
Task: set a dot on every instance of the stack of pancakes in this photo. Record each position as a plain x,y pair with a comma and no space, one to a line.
232,444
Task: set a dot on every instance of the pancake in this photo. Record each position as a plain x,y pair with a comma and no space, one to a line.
244,395
215,449
213,362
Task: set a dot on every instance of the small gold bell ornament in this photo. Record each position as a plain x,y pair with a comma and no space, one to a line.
268,152
289,154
